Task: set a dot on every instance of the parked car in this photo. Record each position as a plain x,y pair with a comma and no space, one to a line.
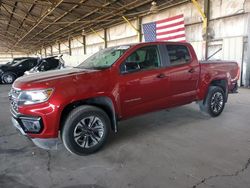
16,68
82,104
15,60
47,64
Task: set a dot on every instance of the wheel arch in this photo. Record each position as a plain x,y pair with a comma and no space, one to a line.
222,83
105,103
8,72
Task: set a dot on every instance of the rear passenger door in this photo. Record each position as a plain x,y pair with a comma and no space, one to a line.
183,74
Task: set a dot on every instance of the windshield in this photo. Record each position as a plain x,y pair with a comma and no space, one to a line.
104,58
17,62
10,62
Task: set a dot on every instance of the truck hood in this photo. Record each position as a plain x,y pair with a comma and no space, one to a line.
49,78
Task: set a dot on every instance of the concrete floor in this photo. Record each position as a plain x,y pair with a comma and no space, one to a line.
179,147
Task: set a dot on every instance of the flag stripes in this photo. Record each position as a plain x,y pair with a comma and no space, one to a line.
169,29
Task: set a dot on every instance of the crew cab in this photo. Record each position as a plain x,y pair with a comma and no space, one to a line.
81,105
16,68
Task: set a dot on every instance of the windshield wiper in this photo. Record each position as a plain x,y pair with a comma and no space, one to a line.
101,67
93,68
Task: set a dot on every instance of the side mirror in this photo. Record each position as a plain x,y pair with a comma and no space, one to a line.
20,65
128,67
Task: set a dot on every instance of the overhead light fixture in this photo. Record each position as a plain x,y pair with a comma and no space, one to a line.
154,8
83,32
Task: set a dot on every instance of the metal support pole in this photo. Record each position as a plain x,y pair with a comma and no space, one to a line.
59,48
204,14
247,79
51,50
45,52
139,29
97,34
206,11
105,39
84,44
136,29
70,50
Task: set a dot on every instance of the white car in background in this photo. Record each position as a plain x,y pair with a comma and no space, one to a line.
47,64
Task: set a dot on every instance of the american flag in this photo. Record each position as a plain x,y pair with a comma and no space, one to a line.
170,29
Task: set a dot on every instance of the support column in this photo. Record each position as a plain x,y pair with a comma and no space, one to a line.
247,79
105,38
207,13
139,29
45,52
205,24
51,50
70,50
84,44
59,48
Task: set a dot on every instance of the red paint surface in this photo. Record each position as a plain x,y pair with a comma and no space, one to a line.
131,94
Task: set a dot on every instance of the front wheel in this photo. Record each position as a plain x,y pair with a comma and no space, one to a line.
214,102
8,78
85,130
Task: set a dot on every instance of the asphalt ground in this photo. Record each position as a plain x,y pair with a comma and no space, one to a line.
178,147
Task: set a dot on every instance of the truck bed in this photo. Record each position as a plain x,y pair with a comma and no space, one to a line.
220,70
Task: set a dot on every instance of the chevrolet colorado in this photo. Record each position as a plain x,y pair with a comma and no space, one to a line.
81,105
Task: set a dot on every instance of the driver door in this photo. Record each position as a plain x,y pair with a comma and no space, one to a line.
142,82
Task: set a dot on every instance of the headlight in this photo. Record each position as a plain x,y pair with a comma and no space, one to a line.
34,96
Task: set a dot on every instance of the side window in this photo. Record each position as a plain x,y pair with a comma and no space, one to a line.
145,58
32,63
178,54
24,64
52,64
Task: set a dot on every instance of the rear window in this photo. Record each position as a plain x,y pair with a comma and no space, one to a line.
178,54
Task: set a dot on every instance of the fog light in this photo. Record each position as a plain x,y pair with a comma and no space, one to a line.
31,125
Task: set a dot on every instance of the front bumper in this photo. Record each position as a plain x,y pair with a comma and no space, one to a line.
44,143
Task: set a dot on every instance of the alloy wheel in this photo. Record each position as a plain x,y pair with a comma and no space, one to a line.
88,132
217,102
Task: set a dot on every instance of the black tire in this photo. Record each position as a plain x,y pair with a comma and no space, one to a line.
214,102
77,136
8,78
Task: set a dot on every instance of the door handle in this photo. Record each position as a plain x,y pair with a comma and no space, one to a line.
161,75
191,70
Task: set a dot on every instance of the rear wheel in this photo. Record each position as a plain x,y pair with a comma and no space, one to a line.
8,78
214,102
85,130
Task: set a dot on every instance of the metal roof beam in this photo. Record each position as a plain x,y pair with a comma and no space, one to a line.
27,14
39,21
119,12
59,18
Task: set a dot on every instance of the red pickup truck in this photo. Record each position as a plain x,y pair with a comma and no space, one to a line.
81,105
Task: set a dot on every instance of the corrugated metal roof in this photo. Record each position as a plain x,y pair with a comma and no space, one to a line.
27,25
